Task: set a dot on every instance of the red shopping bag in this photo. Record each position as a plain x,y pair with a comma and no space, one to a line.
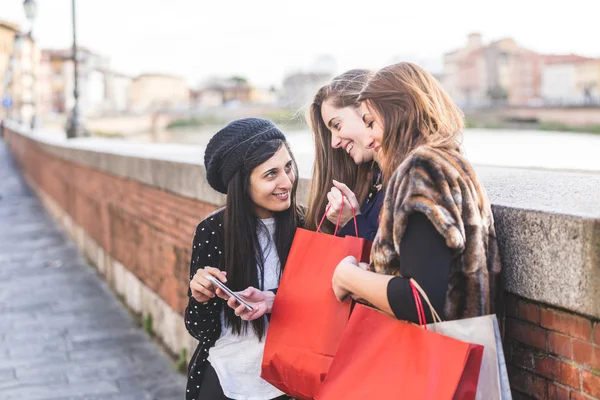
380,357
307,321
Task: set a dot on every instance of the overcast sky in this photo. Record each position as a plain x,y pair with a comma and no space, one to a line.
264,39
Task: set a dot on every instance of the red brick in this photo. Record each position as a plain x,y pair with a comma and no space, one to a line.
597,333
522,358
557,370
570,324
527,383
580,396
526,333
510,305
591,383
529,311
560,345
587,354
556,392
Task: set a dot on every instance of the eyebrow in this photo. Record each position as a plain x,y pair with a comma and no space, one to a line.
363,118
277,168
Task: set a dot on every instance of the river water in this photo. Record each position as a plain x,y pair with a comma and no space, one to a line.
494,147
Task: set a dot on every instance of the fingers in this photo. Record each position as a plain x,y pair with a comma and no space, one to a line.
351,259
198,287
221,294
349,194
217,273
345,190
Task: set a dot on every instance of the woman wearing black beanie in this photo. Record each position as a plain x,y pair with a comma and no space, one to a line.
245,246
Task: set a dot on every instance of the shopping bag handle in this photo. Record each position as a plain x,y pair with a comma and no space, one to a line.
418,290
337,225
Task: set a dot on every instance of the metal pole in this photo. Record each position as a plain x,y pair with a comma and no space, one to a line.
75,128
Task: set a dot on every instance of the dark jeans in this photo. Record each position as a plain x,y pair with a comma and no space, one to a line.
211,387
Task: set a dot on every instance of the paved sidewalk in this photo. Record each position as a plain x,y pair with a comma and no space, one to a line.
63,334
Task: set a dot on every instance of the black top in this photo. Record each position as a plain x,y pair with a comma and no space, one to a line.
368,219
424,257
203,320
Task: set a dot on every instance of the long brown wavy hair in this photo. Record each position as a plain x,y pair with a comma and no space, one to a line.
330,163
414,110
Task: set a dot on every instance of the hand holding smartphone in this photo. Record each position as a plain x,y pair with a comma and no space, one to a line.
229,292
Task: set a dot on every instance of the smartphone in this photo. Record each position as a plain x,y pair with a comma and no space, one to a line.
224,288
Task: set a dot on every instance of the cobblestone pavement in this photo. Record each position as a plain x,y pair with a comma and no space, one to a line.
63,333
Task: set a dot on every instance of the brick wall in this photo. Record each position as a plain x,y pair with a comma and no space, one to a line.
551,354
146,229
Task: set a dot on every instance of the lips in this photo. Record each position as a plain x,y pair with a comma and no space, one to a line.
349,147
282,196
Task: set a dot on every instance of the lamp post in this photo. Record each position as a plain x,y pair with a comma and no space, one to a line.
74,126
30,7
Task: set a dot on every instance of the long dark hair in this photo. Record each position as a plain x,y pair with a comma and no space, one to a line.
243,252
330,163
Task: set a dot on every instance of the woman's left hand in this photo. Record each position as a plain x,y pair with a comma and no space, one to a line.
261,302
340,291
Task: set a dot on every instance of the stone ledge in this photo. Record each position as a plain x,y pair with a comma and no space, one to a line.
548,222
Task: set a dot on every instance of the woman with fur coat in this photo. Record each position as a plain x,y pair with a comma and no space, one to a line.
436,224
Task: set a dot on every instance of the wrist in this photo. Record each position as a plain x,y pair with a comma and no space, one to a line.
269,300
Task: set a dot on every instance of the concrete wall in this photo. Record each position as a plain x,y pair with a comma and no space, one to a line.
132,208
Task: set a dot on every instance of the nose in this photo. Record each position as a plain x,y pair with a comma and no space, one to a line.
287,182
336,142
369,141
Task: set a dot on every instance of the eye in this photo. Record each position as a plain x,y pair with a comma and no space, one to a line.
337,126
271,174
370,125
288,166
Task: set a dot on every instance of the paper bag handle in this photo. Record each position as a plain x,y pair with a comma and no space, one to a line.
337,225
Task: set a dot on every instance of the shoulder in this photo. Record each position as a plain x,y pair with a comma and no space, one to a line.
427,164
211,225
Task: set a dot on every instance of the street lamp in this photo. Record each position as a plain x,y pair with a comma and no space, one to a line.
74,126
30,7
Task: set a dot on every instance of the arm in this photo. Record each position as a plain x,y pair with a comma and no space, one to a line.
201,317
424,257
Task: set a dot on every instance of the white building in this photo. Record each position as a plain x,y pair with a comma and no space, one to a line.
558,85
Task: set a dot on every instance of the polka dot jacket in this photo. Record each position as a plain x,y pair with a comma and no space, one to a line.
202,320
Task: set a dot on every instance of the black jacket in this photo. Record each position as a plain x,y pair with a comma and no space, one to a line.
203,320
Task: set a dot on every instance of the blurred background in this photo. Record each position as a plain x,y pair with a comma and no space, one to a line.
525,73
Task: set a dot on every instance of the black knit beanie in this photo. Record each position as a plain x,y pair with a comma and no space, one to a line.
228,149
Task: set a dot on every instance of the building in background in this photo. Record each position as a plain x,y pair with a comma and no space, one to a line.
8,31
299,88
102,91
563,80
152,92
118,92
21,83
504,73
587,81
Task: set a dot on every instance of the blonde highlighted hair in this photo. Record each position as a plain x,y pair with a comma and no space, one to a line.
330,163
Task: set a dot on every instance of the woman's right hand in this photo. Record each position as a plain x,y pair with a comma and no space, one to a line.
340,193
202,289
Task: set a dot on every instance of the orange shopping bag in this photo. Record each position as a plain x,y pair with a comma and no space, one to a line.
380,357
307,321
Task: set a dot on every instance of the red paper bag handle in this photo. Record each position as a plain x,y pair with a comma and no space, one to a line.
339,218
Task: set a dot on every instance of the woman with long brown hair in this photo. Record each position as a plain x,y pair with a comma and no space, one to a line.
436,222
344,171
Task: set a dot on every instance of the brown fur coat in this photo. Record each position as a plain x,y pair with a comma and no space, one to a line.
443,186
